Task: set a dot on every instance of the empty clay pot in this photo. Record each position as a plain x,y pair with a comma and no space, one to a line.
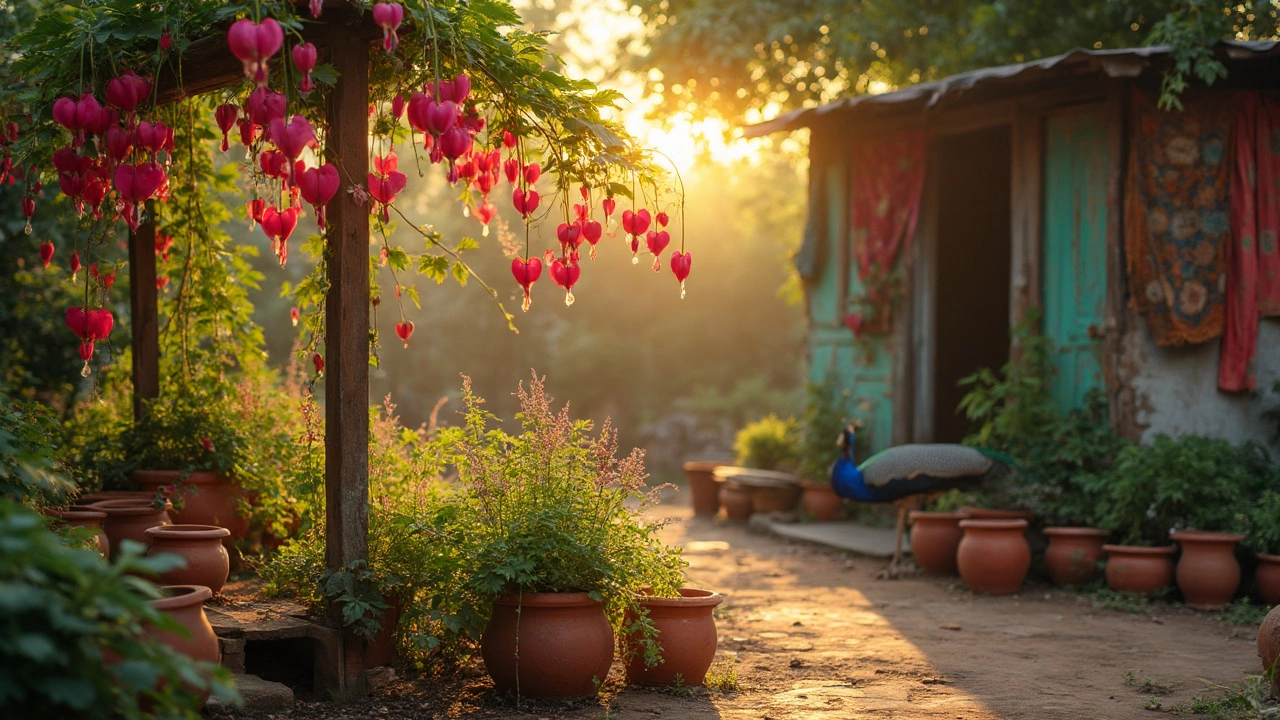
935,538
993,556
1137,569
85,517
201,546
1267,579
129,520
1073,554
548,645
1207,572
205,498
185,603
1269,647
736,501
703,488
821,501
687,634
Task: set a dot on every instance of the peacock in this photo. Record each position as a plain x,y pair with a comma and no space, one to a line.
906,474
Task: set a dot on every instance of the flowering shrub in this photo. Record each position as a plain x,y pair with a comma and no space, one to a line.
770,443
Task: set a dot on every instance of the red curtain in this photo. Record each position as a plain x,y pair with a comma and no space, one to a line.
1253,261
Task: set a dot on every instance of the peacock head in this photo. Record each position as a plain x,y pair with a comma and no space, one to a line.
848,436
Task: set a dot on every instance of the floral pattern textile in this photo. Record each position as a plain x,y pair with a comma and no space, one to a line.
1177,218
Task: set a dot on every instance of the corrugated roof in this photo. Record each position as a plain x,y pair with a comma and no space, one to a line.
1125,62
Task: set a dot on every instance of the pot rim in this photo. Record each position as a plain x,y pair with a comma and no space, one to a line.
1079,531
177,597
1265,557
984,524
930,515
1139,549
995,513
748,475
1208,536
83,513
129,507
168,477
690,597
705,465
547,600
188,532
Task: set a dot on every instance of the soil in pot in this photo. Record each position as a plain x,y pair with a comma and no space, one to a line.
1073,554
1269,648
1208,573
1267,579
129,520
1136,569
206,498
736,501
687,634
201,546
993,556
703,488
564,641
84,517
935,538
821,501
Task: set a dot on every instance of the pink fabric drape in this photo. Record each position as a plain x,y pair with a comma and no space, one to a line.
888,180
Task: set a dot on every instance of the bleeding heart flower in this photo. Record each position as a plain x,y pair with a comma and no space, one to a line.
304,57
46,253
397,107
318,186
570,236
248,131
64,113
384,165
293,138
126,91
166,42
532,172
137,184
384,190
207,443
74,264
254,44
662,219
657,242
608,204
640,221
119,143
90,325
265,105
440,116
592,231
294,315
512,169
316,7
164,241
28,207
274,164
151,136
485,213
226,116
526,274
403,331
254,209
508,139
565,273
388,16
524,201
681,263
279,225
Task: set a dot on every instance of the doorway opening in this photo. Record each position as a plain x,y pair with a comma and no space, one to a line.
971,296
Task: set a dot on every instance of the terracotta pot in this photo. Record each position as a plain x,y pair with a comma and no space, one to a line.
185,603
1074,554
976,513
935,538
703,488
205,497
736,501
821,501
1136,569
993,556
1269,647
382,649
83,517
1207,572
774,498
201,546
687,634
548,645
129,520
1267,579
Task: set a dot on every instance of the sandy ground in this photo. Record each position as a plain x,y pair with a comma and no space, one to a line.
812,633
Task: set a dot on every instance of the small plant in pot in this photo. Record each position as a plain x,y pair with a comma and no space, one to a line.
1074,555
1264,539
768,450
557,544
819,430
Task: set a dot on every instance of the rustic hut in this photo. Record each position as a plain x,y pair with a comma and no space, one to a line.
941,213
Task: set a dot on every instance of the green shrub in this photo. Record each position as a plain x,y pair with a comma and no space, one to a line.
769,443
29,470
820,428
63,608
1264,523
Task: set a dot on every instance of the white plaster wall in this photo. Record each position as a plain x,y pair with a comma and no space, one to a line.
1176,388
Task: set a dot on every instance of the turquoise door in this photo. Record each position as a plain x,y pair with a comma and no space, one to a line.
1073,259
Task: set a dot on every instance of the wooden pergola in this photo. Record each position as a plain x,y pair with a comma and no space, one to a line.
343,36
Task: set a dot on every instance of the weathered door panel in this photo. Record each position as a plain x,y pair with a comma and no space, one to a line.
1073,258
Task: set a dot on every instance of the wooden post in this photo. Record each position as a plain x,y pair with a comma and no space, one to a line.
347,333
144,316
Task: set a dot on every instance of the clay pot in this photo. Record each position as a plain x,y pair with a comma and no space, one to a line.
382,649
703,488
736,501
1207,572
185,603
935,538
205,497
989,514
1074,554
563,640
821,501
1136,569
1269,647
201,546
993,556
1267,579
687,634
129,520
83,517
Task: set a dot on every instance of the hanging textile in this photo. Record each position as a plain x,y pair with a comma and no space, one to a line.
1253,262
888,180
1177,217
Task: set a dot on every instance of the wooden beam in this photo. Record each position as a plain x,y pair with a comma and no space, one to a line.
144,316
347,330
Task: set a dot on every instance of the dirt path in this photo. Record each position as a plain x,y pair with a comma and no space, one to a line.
812,634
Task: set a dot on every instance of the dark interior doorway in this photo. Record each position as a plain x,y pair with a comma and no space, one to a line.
971,299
